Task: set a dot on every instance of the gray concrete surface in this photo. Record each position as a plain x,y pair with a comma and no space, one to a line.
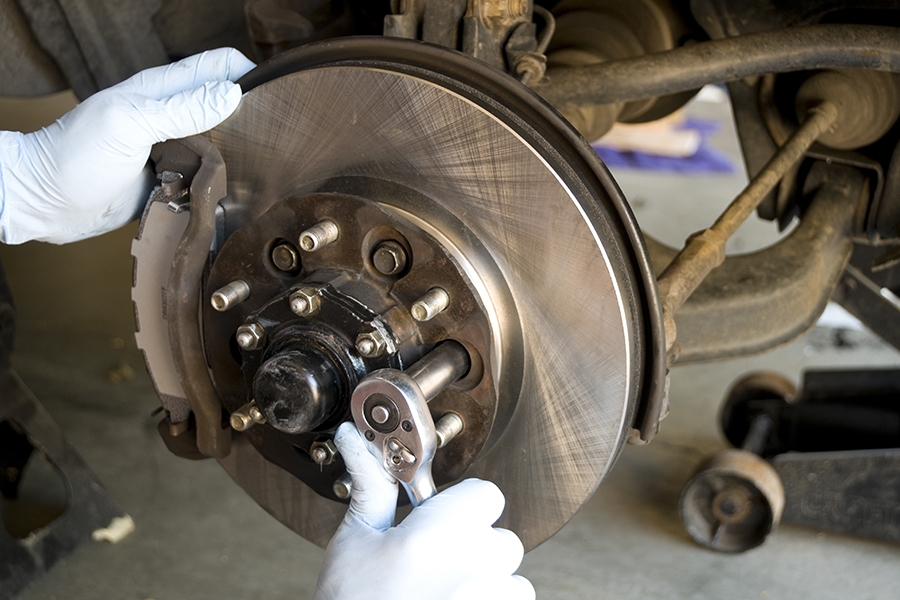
199,536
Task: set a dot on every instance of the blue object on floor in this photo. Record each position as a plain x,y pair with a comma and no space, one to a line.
706,160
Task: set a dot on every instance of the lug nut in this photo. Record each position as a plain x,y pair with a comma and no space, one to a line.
285,257
230,295
343,486
430,305
389,258
250,336
306,301
370,344
447,428
319,235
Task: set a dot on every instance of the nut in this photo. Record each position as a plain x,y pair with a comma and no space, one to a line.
371,344
323,452
306,302
250,336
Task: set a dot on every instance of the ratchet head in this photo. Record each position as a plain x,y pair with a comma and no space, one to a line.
392,414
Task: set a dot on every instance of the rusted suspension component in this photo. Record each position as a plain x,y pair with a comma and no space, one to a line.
706,250
691,67
769,297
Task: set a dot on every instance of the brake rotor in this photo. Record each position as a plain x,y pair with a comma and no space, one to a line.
470,170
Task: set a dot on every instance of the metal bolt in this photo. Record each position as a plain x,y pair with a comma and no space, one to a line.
370,344
285,257
230,295
430,305
343,486
370,435
448,427
323,452
389,258
250,336
306,302
319,455
243,418
319,235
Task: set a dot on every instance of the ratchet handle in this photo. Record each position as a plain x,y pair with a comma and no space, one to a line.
392,415
421,487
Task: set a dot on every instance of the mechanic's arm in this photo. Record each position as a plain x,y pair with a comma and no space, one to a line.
446,548
85,174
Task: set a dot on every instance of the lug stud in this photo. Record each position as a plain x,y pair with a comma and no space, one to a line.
319,235
230,295
435,301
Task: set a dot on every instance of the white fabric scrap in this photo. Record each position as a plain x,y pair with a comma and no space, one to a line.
119,528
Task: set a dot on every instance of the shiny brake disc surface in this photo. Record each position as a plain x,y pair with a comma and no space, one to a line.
572,349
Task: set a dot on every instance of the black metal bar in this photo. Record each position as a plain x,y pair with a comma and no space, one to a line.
730,59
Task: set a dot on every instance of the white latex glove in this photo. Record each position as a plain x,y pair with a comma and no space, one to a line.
445,549
84,175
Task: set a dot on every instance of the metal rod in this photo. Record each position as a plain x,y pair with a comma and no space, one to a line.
706,250
758,434
691,67
439,368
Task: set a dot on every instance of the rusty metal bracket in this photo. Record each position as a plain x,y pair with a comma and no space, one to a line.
184,291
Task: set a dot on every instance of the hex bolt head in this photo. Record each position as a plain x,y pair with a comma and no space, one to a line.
435,301
230,295
319,235
370,344
306,301
250,336
285,257
389,258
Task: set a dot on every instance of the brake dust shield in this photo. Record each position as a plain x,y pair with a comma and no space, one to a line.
529,216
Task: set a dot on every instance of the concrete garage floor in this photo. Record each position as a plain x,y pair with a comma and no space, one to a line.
199,536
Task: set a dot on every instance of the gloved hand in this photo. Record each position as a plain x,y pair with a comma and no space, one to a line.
446,548
84,175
